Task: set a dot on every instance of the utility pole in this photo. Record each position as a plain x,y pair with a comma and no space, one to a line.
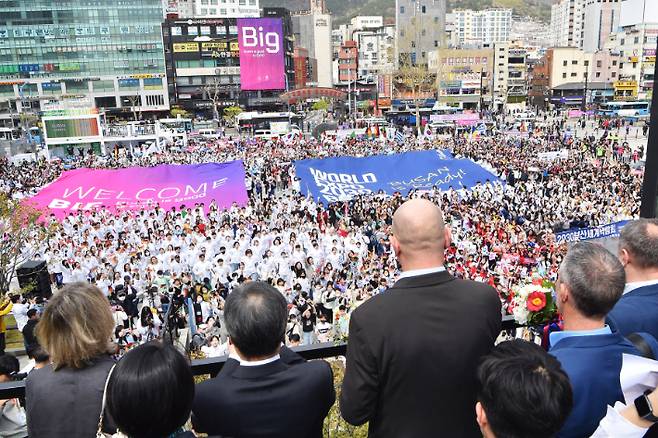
585,91
650,183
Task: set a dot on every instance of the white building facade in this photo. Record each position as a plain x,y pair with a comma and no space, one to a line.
567,23
601,19
226,8
475,28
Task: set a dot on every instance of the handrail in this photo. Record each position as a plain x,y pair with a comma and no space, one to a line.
213,365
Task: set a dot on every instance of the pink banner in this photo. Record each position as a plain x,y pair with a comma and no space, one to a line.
261,54
137,188
455,117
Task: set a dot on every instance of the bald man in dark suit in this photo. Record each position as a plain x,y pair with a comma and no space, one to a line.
414,349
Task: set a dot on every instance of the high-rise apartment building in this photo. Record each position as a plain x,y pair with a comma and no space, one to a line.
104,53
475,28
601,19
420,26
226,8
567,23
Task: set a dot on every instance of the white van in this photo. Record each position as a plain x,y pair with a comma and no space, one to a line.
209,133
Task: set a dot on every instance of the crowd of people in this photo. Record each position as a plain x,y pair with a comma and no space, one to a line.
286,268
326,259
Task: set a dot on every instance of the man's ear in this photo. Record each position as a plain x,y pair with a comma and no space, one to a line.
395,244
481,417
447,236
624,257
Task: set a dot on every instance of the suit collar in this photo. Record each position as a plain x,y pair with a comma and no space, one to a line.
590,341
423,280
641,289
259,371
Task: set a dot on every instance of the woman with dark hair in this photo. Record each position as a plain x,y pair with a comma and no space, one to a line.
150,391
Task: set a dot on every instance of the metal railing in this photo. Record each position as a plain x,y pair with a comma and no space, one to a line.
214,365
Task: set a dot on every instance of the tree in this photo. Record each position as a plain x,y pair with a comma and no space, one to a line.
179,112
321,105
230,113
417,80
19,227
213,92
413,77
135,106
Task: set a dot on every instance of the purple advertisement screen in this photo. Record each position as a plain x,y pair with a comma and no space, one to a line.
261,54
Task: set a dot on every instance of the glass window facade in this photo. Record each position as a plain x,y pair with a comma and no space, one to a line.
83,38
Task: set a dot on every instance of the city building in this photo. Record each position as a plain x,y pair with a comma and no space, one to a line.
601,19
376,44
635,41
226,8
312,31
562,78
464,76
451,31
420,27
567,23
510,83
529,33
179,8
475,28
203,64
305,68
54,54
348,62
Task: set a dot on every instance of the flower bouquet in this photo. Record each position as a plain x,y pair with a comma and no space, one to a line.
533,307
533,304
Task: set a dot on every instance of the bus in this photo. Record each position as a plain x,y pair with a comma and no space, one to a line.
624,109
276,123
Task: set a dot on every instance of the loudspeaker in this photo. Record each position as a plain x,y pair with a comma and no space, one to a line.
35,273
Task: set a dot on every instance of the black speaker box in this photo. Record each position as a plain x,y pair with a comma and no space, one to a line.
35,272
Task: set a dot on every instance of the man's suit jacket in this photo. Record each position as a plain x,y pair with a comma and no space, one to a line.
412,356
636,312
286,398
593,364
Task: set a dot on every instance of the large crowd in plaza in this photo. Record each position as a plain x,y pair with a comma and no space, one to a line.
286,262
328,259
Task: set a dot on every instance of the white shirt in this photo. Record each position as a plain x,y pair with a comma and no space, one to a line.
614,425
638,284
244,363
417,272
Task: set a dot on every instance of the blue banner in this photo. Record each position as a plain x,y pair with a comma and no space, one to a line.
339,179
600,232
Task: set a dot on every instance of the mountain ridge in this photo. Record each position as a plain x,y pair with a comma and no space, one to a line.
344,10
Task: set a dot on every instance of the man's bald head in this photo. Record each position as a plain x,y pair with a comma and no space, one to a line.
418,228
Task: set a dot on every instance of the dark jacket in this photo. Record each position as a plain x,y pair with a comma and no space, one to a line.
636,311
593,364
67,402
287,398
412,357
29,337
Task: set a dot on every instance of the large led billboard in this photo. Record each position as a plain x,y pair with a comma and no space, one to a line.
261,44
60,128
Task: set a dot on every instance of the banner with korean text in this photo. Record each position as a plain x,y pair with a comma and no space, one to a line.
600,232
261,54
136,188
338,179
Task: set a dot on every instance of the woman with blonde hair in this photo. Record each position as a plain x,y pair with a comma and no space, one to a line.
64,399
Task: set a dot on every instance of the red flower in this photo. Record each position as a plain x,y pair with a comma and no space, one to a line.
536,301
